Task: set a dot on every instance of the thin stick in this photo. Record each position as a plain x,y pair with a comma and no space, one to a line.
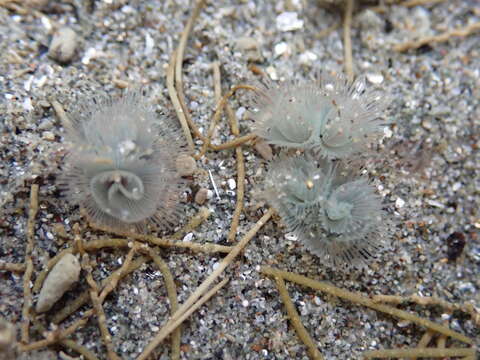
89,246
169,327
82,350
412,3
460,32
12,267
176,103
97,305
240,177
217,83
365,301
168,242
442,339
117,275
54,336
347,39
431,301
192,224
425,352
27,276
206,247
218,113
325,32
296,321
207,282
240,195
172,297
238,152
234,143
179,62
84,297
424,341
69,344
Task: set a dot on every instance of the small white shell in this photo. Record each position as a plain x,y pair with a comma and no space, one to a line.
63,275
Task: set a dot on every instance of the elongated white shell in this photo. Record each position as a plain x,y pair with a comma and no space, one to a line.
63,275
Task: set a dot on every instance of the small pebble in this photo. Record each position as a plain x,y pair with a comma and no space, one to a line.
246,43
289,21
272,72
399,203
63,45
307,58
249,47
281,48
48,135
201,196
63,275
375,78
186,165
232,185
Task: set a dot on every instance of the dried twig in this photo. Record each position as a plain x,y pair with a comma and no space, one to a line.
55,336
416,352
460,32
413,3
365,301
82,350
169,241
234,143
240,179
69,344
238,153
12,267
27,276
205,285
424,341
192,224
466,308
84,297
176,103
325,32
172,297
179,62
296,321
218,112
347,39
169,327
112,283
97,305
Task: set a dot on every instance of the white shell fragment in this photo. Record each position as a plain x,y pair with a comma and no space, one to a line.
289,21
63,275
63,45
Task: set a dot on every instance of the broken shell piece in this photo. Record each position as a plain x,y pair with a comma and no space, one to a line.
7,340
186,165
63,275
63,45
